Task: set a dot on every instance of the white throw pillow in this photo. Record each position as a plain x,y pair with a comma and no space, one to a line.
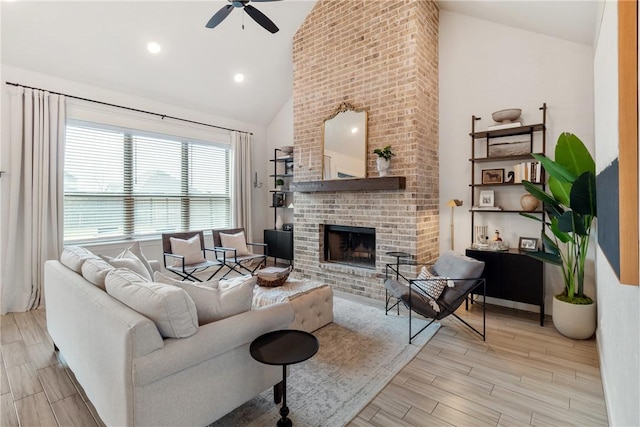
169,307
190,249
431,287
136,250
74,256
158,277
95,270
215,304
131,262
235,241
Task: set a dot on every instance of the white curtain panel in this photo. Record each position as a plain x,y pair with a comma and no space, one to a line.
33,214
241,191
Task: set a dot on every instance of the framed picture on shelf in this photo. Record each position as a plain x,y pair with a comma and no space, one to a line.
492,176
528,244
486,198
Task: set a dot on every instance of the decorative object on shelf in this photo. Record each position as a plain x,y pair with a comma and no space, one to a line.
571,208
529,244
279,184
278,222
529,203
487,198
496,236
255,181
506,116
384,159
287,149
480,234
507,146
287,227
278,200
492,176
452,204
510,177
497,244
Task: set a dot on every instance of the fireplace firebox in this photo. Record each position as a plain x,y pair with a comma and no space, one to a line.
354,246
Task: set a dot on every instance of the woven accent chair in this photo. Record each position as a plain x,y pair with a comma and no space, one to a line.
237,256
466,274
179,263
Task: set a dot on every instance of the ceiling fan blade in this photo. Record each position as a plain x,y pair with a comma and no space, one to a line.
261,19
219,16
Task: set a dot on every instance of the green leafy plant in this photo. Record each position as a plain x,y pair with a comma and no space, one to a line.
570,212
385,152
279,182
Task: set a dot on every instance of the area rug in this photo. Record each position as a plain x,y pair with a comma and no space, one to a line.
360,352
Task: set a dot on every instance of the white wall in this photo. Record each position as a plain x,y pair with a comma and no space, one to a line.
618,315
152,248
485,67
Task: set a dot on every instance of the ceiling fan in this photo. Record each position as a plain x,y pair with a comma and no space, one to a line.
254,13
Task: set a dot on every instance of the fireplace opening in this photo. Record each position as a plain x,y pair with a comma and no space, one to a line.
350,245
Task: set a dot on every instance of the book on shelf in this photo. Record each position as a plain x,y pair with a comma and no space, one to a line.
486,208
527,171
505,126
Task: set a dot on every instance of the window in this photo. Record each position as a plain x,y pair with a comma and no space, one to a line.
121,184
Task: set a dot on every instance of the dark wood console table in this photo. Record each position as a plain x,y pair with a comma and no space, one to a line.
512,275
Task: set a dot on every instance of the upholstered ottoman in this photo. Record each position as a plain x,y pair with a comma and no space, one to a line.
312,302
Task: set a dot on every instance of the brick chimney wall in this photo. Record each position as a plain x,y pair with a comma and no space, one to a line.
381,56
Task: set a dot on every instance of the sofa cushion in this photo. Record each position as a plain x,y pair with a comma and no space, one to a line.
159,277
169,307
190,249
214,304
235,241
457,266
95,270
128,260
135,250
74,256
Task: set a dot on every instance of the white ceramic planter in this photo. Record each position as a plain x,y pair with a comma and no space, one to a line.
383,166
577,321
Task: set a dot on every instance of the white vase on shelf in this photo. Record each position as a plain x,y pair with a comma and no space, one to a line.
278,222
383,165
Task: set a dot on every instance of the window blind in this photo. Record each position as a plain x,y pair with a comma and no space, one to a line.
123,184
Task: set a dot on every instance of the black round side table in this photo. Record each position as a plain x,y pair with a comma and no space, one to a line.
285,347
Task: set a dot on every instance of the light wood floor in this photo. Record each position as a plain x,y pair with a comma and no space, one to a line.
523,374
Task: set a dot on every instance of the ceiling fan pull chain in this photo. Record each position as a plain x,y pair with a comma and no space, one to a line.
243,13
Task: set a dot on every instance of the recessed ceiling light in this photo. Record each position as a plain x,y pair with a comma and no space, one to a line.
153,47
239,77
354,130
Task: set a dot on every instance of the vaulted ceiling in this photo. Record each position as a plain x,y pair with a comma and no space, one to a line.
103,43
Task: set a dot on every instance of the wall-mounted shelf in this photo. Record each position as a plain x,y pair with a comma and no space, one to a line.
355,184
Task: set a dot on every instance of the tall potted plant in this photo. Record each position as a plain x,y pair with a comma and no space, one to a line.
384,159
570,211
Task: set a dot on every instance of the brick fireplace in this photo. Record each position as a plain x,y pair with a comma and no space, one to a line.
382,56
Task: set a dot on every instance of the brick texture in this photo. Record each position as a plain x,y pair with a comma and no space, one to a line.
381,56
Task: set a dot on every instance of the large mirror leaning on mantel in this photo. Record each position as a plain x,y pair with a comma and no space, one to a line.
345,144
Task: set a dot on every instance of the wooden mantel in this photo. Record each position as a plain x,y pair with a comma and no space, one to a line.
352,184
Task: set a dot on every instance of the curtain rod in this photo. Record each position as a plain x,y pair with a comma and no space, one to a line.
163,116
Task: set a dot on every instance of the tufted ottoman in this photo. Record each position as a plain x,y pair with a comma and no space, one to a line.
312,302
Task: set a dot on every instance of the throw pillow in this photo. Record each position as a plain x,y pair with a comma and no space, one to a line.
190,249
74,256
158,277
95,270
136,250
236,241
169,307
131,262
431,287
214,304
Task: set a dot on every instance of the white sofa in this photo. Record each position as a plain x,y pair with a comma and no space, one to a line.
135,378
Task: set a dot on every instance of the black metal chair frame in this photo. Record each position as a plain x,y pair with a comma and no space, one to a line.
232,262
187,271
448,308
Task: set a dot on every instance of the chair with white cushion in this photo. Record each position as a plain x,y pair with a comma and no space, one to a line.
437,293
185,254
239,258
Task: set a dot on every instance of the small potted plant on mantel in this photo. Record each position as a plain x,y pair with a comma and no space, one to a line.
384,159
570,211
